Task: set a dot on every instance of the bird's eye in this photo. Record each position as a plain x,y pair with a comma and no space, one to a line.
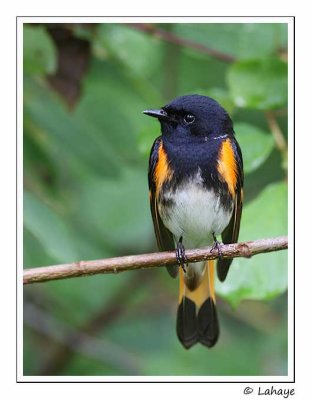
189,118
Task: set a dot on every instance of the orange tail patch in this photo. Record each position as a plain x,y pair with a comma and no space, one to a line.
197,317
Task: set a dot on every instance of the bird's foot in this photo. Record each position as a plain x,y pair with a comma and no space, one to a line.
180,254
216,245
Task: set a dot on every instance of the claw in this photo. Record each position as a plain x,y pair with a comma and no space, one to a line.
217,245
180,254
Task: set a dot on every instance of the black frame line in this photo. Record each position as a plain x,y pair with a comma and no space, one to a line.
17,225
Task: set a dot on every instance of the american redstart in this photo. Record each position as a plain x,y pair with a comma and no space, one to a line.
196,191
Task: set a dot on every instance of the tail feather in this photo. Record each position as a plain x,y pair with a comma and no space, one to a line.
223,268
197,319
208,325
187,323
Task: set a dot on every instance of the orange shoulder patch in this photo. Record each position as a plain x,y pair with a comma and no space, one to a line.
227,167
162,170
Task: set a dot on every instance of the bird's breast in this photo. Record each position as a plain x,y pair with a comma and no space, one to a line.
193,211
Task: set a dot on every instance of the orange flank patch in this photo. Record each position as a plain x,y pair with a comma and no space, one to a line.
162,170
227,165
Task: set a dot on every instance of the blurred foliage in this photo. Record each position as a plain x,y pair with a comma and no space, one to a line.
244,78
85,181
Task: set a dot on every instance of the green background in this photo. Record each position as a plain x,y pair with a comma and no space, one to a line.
86,146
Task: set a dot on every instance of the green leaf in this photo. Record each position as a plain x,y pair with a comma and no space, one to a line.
147,136
39,53
100,131
69,138
84,295
112,110
34,253
49,229
118,210
196,71
259,84
241,40
255,143
139,52
265,275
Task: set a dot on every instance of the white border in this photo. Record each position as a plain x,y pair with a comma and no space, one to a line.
20,377
151,19
20,185
291,228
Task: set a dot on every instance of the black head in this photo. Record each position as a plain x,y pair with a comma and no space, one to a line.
193,116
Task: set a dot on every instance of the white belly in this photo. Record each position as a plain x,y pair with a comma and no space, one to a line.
195,214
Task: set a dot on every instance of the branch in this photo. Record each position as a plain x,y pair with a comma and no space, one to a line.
179,41
120,264
280,141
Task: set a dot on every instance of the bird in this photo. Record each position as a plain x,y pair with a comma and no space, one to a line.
195,178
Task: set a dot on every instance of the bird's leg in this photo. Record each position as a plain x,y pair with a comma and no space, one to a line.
217,245
180,254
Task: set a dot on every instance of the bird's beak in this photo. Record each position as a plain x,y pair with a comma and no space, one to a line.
160,114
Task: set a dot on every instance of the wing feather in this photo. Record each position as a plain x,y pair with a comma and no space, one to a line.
164,237
231,232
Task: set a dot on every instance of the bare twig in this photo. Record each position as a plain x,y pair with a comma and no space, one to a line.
280,112
180,41
280,141
119,264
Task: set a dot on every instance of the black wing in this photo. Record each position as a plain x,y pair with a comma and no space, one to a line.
231,232
163,235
